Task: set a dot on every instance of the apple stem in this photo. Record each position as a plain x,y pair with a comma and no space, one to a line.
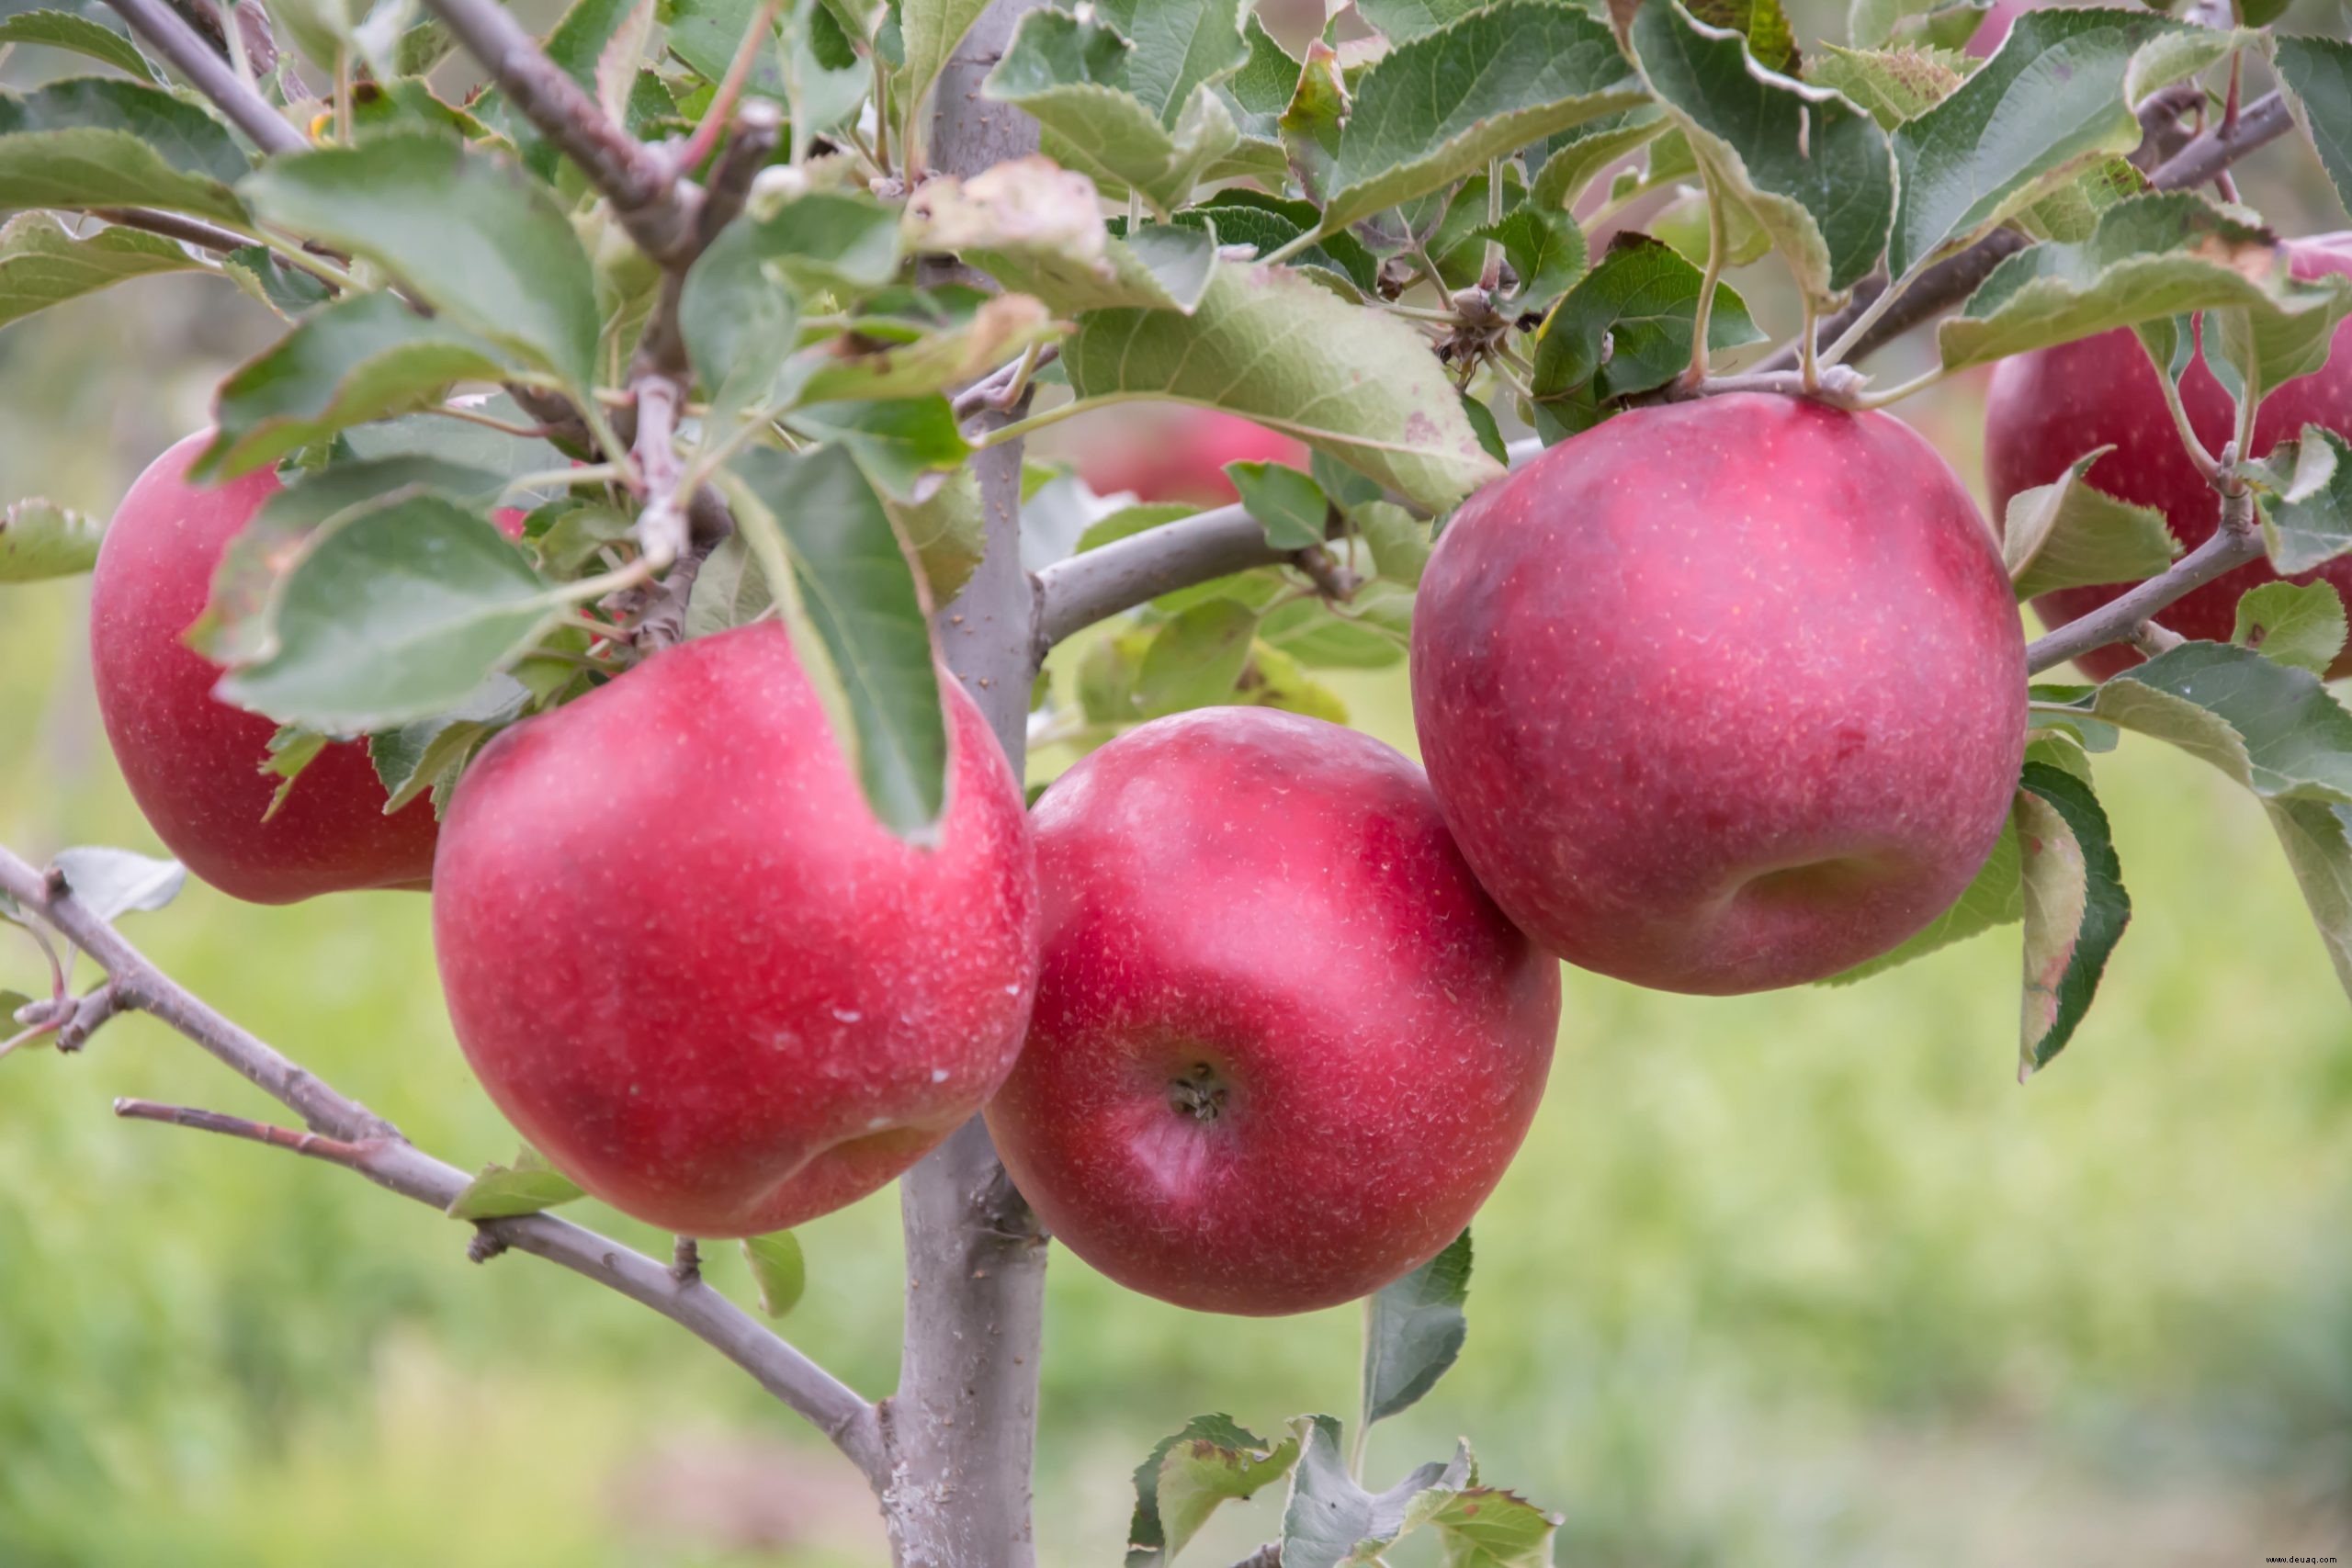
685,1262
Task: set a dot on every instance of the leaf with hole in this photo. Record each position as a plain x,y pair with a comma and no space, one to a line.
1627,325
1189,1473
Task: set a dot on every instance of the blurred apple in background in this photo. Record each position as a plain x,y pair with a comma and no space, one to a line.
1167,451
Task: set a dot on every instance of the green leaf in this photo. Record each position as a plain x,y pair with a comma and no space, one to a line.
2295,624
96,142
2069,533
1180,47
830,240
2315,73
1484,1527
1210,1461
418,757
1310,124
931,29
2148,258
1995,897
1331,1522
63,30
1196,657
235,627
1072,75
1816,172
778,1269
729,591
1266,223
2254,350
392,615
1626,326
1372,635
1684,223
1760,25
900,444
365,358
1413,1330
1275,348
2274,729
738,320
1434,109
1891,85
2075,907
41,539
1579,156
112,882
1287,503
945,356
858,590
1403,20
1399,541
1871,24
2049,102
286,289
2306,499
474,236
1545,249
1039,230
2317,837
503,1192
291,750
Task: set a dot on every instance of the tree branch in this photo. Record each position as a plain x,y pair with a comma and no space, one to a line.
651,202
346,1133
173,226
2235,543
1955,278
170,36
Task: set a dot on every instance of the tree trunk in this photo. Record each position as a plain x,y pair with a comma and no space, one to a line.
962,1426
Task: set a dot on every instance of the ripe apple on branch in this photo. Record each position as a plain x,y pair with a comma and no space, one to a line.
628,537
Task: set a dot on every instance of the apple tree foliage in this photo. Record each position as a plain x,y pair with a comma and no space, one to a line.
1375,240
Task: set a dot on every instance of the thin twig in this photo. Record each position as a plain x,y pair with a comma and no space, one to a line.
400,1166
169,34
2238,541
1954,278
317,1145
653,204
730,86
172,226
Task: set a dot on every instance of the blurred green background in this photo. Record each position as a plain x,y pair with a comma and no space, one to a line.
1800,1279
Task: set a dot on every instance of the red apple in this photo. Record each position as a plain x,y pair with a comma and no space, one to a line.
194,765
696,972
1284,1046
1722,695
2054,405
1175,452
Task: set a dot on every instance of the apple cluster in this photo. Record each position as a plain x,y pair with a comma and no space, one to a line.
1716,696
